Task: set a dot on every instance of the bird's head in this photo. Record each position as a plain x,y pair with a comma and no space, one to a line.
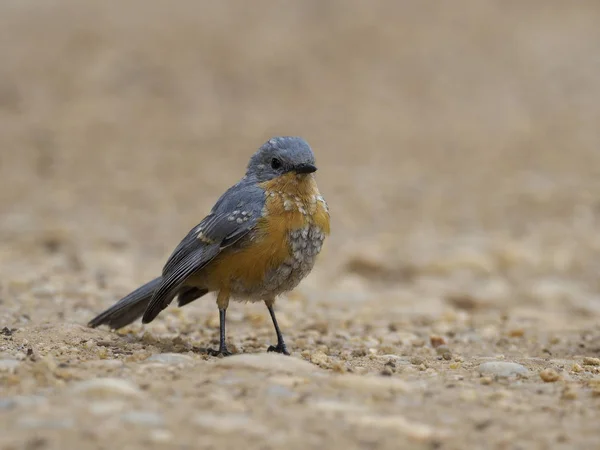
279,156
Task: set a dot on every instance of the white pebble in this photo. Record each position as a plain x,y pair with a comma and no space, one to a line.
502,369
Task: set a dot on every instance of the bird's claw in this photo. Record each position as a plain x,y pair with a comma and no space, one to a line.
221,352
280,348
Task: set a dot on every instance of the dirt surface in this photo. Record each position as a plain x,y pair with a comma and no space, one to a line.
456,304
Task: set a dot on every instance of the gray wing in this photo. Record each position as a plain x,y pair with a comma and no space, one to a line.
232,217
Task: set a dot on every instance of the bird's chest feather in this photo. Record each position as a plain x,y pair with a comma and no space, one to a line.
287,238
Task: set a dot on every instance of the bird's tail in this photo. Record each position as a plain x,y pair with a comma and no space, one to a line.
128,309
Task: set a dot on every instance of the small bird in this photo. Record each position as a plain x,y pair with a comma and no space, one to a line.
259,240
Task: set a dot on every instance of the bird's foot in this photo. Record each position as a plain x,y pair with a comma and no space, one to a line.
280,348
221,352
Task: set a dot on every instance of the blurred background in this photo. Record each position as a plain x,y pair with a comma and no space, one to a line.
458,142
458,146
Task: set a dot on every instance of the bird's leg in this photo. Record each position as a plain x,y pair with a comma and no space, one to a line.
280,348
222,303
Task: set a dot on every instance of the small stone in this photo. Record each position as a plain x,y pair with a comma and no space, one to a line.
447,356
577,368
9,365
549,375
589,361
502,368
436,341
387,372
320,359
104,387
171,358
145,418
269,362
416,360
338,367
486,380
516,333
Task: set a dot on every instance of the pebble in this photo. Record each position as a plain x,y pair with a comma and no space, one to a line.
9,365
502,369
146,418
549,375
171,358
589,361
269,362
436,341
398,360
417,360
320,359
104,387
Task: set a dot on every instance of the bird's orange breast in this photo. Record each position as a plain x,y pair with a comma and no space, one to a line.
292,202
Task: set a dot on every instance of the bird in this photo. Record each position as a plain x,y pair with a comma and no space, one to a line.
260,240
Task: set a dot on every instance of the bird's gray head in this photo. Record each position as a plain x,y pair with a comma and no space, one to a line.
280,155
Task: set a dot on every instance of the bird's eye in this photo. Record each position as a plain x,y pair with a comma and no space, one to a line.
275,163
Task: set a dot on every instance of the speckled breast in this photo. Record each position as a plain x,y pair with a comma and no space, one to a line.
281,250
305,245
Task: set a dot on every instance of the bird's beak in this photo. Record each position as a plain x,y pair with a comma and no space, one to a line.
305,168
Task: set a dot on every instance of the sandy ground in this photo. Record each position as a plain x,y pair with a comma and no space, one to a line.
459,151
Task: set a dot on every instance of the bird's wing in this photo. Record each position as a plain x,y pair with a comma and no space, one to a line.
232,217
